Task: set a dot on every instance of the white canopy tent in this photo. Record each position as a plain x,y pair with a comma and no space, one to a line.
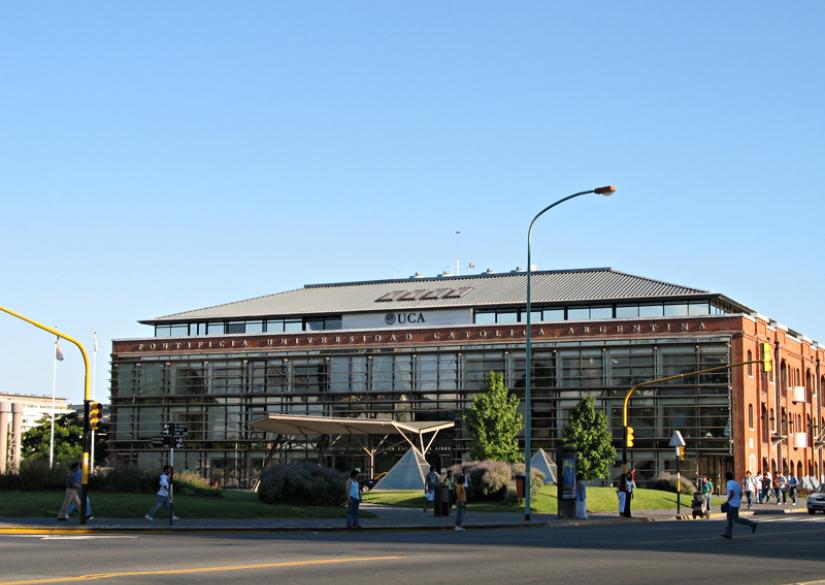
414,433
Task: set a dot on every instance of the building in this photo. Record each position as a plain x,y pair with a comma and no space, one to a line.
18,414
418,349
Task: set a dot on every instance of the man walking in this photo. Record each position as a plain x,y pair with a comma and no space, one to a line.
792,485
734,501
163,495
73,480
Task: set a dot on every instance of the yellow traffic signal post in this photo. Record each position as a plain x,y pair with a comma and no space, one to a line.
628,435
84,489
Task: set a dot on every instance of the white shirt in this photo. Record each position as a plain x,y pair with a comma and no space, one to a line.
734,493
164,485
749,484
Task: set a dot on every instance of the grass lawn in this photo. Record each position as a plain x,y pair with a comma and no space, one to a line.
232,504
599,499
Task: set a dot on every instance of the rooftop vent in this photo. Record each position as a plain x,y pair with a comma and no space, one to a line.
418,275
519,269
489,271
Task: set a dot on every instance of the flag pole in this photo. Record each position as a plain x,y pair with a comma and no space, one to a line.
94,384
54,390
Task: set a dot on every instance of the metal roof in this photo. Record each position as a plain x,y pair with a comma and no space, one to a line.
585,285
291,424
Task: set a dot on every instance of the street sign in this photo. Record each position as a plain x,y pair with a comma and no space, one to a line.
676,440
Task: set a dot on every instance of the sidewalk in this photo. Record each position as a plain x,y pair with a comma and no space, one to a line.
387,518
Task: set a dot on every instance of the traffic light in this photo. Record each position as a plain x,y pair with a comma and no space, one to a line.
95,415
681,452
767,357
629,438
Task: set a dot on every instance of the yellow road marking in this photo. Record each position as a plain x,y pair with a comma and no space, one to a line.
194,570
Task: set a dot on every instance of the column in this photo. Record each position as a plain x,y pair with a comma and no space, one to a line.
5,409
17,432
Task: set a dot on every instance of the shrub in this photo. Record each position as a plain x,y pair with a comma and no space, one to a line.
302,484
192,484
494,480
123,479
667,482
35,475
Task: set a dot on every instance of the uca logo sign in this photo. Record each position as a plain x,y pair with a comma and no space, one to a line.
403,318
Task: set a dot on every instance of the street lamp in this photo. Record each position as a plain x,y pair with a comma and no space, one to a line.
607,192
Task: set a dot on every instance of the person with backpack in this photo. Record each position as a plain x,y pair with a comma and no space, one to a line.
430,482
793,483
163,495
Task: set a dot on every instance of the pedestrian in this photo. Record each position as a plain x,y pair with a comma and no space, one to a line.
783,488
793,483
74,477
581,498
733,503
707,495
353,489
449,483
630,487
430,482
73,506
766,487
749,486
621,492
460,502
445,495
776,488
757,483
163,499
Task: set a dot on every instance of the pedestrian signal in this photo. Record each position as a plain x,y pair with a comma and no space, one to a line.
629,439
95,415
767,357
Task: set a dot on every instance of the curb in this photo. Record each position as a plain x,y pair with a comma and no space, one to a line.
294,529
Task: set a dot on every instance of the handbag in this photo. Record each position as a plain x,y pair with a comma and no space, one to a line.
725,507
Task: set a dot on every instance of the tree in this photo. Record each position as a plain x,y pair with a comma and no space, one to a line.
494,422
586,430
68,439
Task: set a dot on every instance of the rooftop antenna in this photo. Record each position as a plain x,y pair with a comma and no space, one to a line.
458,253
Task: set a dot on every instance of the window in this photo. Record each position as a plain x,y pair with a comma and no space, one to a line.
578,313
651,311
698,308
750,416
179,330
485,318
235,327
552,315
580,368
601,312
254,326
293,326
506,317
163,330
676,310
215,328
627,311
750,365
274,325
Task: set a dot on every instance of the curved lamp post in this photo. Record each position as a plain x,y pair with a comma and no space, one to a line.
607,192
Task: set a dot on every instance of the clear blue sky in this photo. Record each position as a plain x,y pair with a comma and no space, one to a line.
158,157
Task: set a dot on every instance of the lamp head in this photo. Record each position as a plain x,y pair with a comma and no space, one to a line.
606,191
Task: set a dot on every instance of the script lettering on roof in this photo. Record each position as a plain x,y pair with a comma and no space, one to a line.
423,294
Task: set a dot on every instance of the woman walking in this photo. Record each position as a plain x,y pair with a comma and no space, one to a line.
460,503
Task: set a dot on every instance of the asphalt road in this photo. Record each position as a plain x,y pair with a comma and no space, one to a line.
783,550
